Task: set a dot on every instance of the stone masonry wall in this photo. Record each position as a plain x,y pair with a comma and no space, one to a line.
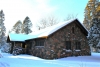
55,46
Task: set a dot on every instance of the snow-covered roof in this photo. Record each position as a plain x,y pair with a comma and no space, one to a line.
49,30
41,33
20,37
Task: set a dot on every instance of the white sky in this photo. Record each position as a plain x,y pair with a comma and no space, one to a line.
15,10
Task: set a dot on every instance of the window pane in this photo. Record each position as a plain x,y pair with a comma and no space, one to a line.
68,45
73,30
78,45
39,42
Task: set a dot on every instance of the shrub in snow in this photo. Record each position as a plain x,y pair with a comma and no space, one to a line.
0,54
6,48
17,51
98,47
98,50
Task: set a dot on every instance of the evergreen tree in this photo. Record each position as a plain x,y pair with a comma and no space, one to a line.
27,25
94,32
17,28
90,11
2,29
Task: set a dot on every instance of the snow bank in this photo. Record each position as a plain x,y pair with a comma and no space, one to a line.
31,61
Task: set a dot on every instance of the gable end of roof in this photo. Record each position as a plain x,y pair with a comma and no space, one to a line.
81,26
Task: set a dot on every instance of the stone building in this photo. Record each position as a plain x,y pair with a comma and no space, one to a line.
65,39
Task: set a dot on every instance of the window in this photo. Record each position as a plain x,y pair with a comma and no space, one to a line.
39,42
73,30
23,45
30,44
78,45
68,45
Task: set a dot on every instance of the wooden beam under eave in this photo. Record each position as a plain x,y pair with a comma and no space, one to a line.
12,46
44,37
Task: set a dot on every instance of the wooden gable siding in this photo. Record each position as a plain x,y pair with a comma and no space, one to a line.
8,39
55,47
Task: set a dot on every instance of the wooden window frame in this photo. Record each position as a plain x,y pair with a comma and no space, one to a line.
73,30
78,45
39,43
68,45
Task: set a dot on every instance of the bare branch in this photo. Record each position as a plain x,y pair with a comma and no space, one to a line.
46,22
70,16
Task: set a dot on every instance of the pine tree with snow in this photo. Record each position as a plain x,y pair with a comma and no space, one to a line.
2,29
4,47
27,25
94,32
17,28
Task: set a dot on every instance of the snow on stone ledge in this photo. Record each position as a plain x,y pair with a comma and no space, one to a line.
77,50
68,50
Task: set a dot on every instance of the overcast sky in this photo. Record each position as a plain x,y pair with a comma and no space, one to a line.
15,10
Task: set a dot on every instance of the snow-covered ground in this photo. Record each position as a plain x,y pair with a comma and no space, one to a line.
9,60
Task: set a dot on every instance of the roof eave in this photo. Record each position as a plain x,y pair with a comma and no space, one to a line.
86,31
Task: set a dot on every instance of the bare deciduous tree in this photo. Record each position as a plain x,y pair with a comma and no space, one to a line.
46,22
70,16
